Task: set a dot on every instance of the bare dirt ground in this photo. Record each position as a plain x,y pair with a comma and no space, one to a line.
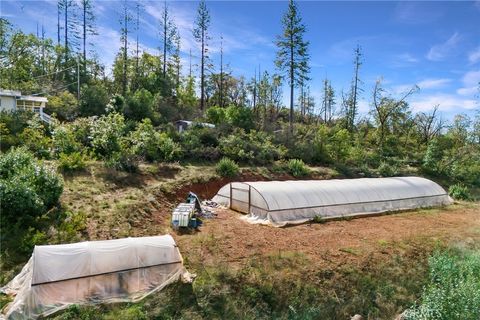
140,205
235,241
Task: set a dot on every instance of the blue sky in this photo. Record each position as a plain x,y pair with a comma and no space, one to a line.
434,44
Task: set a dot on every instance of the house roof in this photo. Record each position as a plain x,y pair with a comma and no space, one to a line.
33,98
10,93
18,95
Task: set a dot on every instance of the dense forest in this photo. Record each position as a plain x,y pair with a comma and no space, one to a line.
126,117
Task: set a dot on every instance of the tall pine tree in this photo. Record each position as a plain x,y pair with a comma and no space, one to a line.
167,34
292,55
124,23
200,32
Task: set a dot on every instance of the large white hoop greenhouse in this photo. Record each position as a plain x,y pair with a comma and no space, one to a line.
121,270
291,202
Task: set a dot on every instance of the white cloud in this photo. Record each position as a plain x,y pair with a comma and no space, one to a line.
470,82
401,89
440,51
433,83
474,56
416,12
407,57
403,60
446,102
426,84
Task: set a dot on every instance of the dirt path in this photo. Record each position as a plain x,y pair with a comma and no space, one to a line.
234,241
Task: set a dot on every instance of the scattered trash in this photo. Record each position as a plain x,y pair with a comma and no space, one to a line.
208,214
207,206
210,203
188,277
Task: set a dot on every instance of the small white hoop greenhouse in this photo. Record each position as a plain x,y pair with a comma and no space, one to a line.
291,202
121,270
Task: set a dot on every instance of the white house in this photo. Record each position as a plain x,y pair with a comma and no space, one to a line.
11,100
183,125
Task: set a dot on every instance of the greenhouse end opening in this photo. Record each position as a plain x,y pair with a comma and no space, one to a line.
279,203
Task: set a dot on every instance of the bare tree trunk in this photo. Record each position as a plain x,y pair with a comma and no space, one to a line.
291,84
165,35
125,52
221,72
58,23
66,31
202,74
84,32
136,52
255,91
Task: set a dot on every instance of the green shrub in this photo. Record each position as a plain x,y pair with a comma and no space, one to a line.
71,227
309,143
28,188
139,106
297,168
466,168
152,145
200,143
216,115
454,289
81,129
12,123
71,162
124,160
340,145
64,105
432,157
387,170
227,168
35,138
254,147
63,140
107,132
93,100
240,117
318,219
32,238
459,192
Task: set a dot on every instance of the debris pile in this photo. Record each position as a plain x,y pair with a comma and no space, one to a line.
207,209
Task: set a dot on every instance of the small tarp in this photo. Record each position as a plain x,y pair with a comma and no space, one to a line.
122,270
290,202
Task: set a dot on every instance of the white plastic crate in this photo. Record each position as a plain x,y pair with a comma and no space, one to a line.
182,214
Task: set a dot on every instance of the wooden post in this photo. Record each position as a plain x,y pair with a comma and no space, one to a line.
230,195
249,197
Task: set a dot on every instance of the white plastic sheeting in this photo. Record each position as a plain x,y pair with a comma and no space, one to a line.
57,276
290,202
